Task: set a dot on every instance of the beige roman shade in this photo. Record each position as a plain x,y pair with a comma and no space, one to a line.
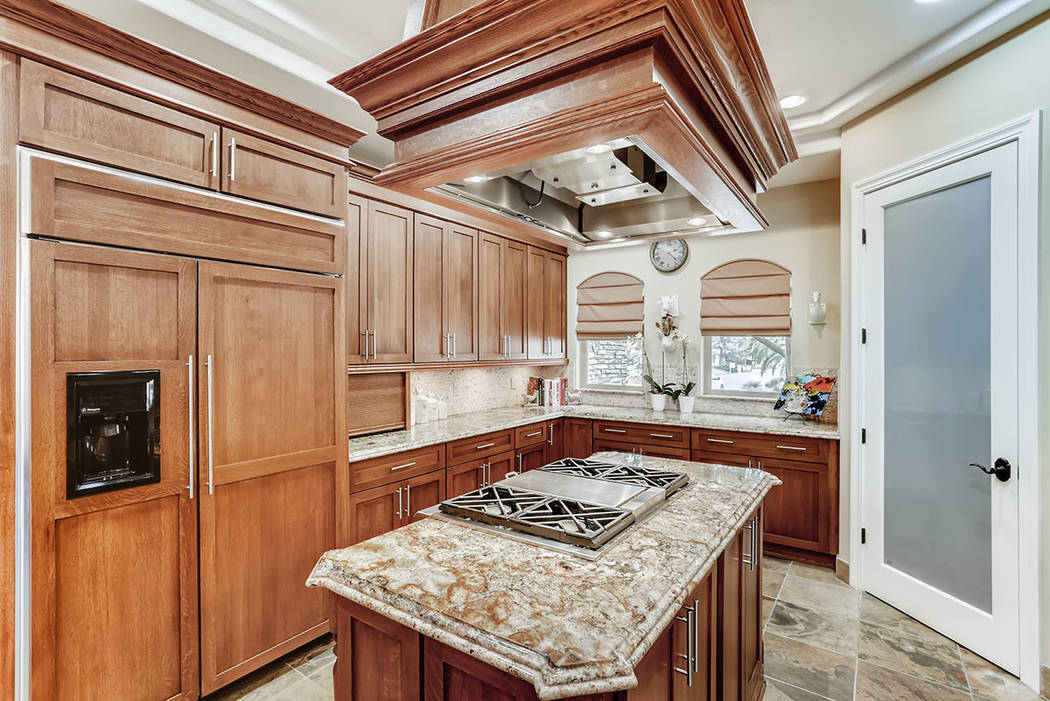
609,306
746,298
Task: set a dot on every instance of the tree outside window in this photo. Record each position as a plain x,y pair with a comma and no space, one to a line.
746,365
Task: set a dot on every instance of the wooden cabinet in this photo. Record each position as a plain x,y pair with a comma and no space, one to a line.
655,451
500,465
740,618
421,493
376,511
546,311
530,435
386,285
365,474
696,679
446,291
577,437
642,434
269,483
265,171
376,658
801,515
358,340
72,115
531,457
467,477
502,298
482,446
555,440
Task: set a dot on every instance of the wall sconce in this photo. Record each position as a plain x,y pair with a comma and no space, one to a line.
818,311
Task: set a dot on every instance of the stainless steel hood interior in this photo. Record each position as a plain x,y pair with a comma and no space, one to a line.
606,193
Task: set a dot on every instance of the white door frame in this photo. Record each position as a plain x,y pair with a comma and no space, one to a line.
1025,132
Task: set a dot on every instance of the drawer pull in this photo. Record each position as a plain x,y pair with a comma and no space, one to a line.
402,467
483,446
661,435
614,430
719,440
791,447
534,433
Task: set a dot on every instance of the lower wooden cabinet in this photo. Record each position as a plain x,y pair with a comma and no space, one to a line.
377,659
577,439
531,457
555,441
655,451
375,511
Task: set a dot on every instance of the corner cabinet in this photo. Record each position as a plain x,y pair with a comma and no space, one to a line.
546,300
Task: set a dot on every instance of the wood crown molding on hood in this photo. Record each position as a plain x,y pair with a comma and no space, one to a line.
508,81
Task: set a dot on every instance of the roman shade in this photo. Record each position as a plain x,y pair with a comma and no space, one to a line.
746,298
609,306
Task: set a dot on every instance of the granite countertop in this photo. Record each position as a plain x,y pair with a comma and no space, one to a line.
567,625
466,425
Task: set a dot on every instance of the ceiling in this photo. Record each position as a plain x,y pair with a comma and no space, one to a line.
846,55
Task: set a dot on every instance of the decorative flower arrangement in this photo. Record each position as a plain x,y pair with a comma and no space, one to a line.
670,337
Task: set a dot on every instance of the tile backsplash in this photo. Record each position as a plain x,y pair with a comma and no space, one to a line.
477,389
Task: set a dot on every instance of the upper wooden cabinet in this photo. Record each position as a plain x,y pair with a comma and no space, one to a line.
502,303
65,113
261,170
546,304
72,115
387,284
446,291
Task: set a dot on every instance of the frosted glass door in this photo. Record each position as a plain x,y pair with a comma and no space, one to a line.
938,393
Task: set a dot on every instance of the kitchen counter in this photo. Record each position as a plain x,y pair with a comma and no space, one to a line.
567,625
466,425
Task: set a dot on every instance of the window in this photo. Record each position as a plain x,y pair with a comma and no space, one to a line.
745,366
611,364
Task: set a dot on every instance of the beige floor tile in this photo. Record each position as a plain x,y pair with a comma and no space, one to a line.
990,683
323,676
831,631
879,613
779,691
878,684
312,656
775,564
767,609
818,671
820,596
820,574
276,683
771,582
926,657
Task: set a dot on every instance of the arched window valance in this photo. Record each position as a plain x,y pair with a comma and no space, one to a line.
746,298
609,306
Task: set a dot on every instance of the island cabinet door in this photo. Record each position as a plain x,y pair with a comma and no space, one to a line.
271,437
376,658
694,644
740,615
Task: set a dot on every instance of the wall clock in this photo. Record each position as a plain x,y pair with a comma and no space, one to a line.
669,256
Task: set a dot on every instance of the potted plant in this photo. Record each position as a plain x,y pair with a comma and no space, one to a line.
658,393
685,399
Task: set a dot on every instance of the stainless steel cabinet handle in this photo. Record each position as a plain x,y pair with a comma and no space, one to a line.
402,467
375,347
214,154
519,463
233,158
614,430
483,446
719,440
365,334
661,435
211,455
192,429
550,434
488,473
399,502
506,345
756,535
534,433
749,462
791,447
408,501
690,644
481,468
453,345
751,557
696,635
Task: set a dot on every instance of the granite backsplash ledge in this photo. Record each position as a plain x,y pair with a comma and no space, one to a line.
478,389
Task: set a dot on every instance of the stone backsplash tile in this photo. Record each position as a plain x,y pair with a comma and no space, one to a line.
477,389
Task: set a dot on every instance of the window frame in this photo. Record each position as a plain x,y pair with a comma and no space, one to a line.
706,373
582,379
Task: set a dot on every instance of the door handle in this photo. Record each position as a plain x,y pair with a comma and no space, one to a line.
453,346
214,154
365,334
211,455
233,158
192,428
484,482
550,434
400,503
519,463
408,501
1001,469
375,346
691,643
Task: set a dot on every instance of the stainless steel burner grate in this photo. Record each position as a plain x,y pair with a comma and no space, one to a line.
670,482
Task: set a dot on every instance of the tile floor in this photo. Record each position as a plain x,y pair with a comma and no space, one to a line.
825,641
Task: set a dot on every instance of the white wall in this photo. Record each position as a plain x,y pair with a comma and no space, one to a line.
803,237
999,84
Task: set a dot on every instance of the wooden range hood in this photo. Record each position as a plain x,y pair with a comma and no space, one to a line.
507,82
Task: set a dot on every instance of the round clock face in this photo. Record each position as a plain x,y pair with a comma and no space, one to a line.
668,256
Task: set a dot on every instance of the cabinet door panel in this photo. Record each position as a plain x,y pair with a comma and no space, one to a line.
376,658
490,297
500,465
554,315
466,477
421,493
430,336
265,171
531,457
515,301
751,671
536,303
390,246
555,440
703,601
578,438
798,513
461,291
375,511
356,279
730,571
268,336
65,113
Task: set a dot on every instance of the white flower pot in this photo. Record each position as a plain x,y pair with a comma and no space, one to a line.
659,401
685,404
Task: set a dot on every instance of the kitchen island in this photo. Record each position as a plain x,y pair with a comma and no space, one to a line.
672,609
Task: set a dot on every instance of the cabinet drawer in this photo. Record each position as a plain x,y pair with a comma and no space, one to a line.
530,435
399,466
648,434
761,445
653,451
265,171
479,446
69,114
722,458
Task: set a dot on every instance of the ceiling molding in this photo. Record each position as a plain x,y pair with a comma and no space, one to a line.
968,36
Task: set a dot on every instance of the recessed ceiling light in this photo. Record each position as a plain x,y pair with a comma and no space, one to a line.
603,234
793,100
477,178
599,148
695,221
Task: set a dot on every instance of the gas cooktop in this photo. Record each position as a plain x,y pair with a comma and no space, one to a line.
572,505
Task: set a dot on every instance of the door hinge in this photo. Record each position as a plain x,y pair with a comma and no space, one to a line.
864,237
863,536
863,435
863,335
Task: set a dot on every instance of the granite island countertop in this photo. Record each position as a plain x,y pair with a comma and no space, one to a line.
565,624
473,424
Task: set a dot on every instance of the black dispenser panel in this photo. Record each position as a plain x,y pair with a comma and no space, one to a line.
113,430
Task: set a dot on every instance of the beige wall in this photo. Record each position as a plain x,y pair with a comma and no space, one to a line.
1001,84
804,238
